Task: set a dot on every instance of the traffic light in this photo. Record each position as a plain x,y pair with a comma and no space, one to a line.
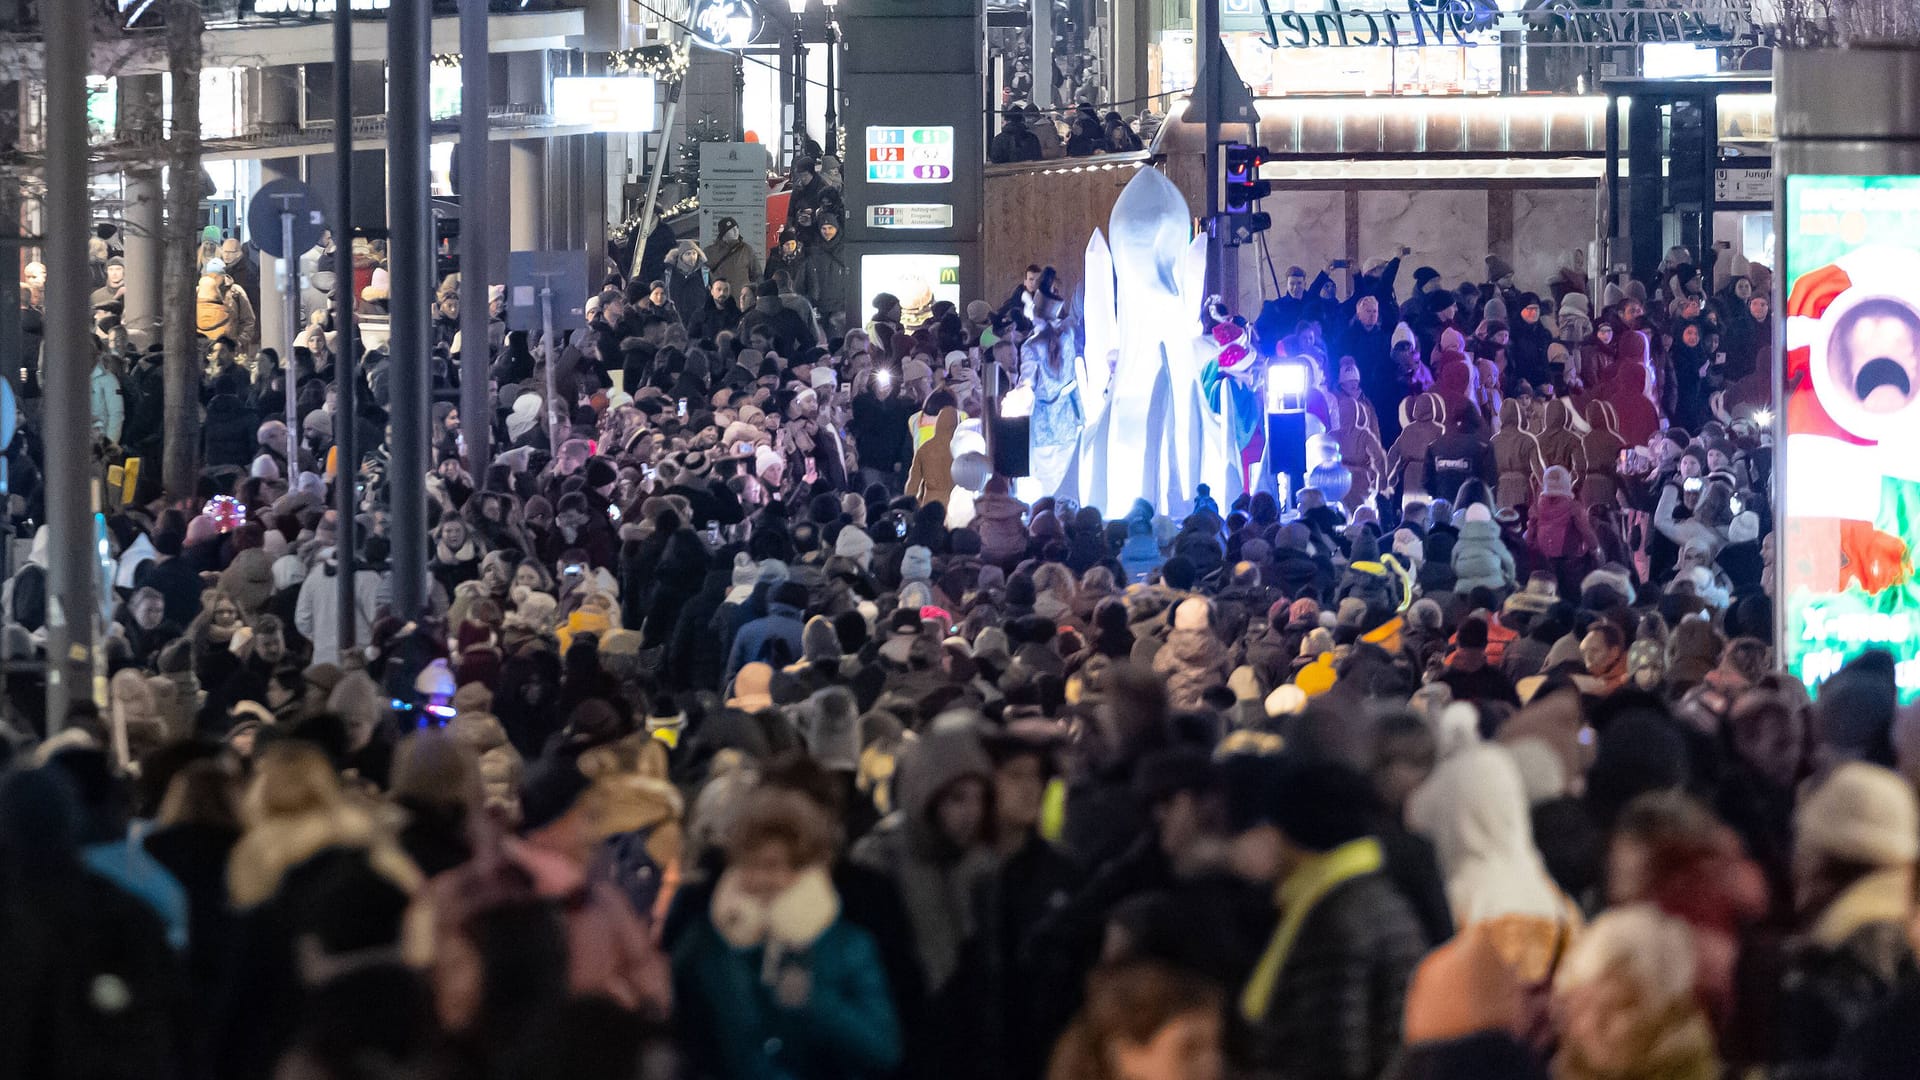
1244,186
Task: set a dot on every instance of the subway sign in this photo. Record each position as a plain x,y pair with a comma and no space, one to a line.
909,155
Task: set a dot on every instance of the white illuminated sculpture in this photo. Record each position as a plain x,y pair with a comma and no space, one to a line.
1149,433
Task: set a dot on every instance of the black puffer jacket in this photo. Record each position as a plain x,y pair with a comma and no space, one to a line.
1335,1010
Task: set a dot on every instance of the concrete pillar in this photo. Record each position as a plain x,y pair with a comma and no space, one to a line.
526,180
141,237
528,223
274,93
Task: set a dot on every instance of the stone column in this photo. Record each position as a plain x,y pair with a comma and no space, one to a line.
141,238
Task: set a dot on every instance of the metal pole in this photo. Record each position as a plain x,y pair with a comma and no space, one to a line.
290,264
739,96
1207,95
346,356
69,347
833,92
652,202
799,84
476,403
410,249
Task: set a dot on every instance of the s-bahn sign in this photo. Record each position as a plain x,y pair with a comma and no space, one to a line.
1393,23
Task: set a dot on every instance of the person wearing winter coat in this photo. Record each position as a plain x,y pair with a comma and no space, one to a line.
1857,837
104,400
772,982
775,638
1326,996
935,847
1474,809
930,480
686,279
1599,485
70,932
1000,520
731,257
1194,659
1559,531
1631,391
1460,456
1423,422
317,616
1516,455
827,273
1480,557
1559,443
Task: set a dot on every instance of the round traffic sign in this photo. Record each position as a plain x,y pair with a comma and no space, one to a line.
264,224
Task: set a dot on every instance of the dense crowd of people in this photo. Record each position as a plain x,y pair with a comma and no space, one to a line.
755,731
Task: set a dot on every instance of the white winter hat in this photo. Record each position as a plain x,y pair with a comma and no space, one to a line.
1862,814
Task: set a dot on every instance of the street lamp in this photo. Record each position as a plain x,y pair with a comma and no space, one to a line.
799,10
833,93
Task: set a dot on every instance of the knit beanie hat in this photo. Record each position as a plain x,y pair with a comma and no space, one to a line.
1862,814
745,573
1403,335
1557,481
916,564
771,572
854,544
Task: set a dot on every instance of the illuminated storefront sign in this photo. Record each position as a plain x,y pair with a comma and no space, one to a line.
1851,490
604,102
910,216
1302,24
726,24
909,155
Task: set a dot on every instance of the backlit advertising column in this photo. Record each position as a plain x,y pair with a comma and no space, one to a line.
1847,557
915,140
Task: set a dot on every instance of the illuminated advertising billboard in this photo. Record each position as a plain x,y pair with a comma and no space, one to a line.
918,280
610,103
1851,489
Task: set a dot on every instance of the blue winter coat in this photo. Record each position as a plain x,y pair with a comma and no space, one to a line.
766,637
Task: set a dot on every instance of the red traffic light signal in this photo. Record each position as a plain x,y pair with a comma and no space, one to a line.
1244,186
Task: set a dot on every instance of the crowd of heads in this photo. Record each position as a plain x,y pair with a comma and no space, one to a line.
753,726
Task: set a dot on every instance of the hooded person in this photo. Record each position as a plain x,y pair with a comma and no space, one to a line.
1599,483
1422,423
930,480
1631,391
1480,556
1516,456
1474,808
935,847
1559,443
1194,659
1559,532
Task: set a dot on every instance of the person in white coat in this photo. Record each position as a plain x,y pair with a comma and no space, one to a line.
318,612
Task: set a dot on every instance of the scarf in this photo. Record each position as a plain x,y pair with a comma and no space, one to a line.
1298,895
